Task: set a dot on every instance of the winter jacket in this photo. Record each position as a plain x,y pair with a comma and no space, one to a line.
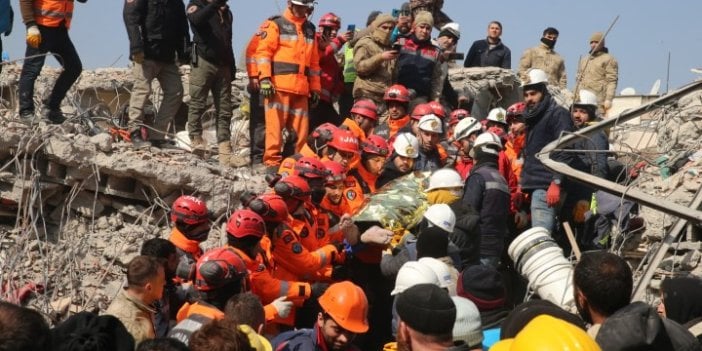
7,17
373,74
47,13
135,315
212,32
545,123
594,163
291,61
390,172
466,233
481,55
600,76
419,68
304,340
544,58
332,79
638,326
158,28
430,161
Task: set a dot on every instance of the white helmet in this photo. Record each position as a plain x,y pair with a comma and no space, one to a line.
406,145
498,115
441,270
442,216
466,127
586,97
535,76
430,123
413,273
308,3
453,28
484,141
444,178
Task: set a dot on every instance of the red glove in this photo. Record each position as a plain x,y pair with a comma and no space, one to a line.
553,194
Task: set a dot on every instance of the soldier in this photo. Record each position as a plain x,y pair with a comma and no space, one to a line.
546,59
599,72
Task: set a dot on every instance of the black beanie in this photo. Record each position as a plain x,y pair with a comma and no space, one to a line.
432,242
427,309
524,313
483,285
87,331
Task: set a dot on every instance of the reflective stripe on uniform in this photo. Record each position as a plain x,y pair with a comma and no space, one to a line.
286,109
285,68
497,186
322,257
288,37
284,288
313,72
56,14
262,60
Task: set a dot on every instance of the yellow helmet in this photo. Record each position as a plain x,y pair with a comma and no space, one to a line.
546,333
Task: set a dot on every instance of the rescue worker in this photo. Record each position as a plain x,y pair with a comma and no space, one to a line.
191,226
361,181
401,162
449,144
418,64
287,58
315,146
334,199
305,219
47,24
159,40
465,133
497,118
363,118
332,84
374,59
489,52
212,70
257,125
343,315
543,57
432,155
7,17
546,121
342,148
418,112
516,137
397,99
487,192
598,72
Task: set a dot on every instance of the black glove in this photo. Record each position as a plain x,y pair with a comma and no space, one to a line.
318,290
314,99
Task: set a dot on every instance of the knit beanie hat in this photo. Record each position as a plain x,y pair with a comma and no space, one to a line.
432,242
525,312
87,331
467,327
424,17
427,309
483,285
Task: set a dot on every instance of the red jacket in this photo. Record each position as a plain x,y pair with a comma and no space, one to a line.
332,78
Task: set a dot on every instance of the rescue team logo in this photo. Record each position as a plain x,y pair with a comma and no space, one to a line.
351,195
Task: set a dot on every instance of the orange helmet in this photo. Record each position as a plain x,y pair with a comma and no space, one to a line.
189,210
457,115
310,167
515,111
437,109
366,108
293,186
330,20
337,172
397,93
421,110
219,268
375,145
344,140
270,207
347,304
244,223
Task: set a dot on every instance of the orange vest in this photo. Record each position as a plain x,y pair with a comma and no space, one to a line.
352,126
513,147
396,124
287,53
52,13
200,308
190,247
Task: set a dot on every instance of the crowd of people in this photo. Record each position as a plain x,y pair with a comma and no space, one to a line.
335,119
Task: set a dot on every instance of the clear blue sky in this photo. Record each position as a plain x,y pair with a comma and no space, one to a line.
646,31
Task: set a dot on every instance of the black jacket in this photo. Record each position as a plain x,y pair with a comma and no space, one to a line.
390,172
466,233
212,32
545,123
592,162
480,55
158,28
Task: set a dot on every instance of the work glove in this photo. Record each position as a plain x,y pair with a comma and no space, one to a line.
267,88
314,99
138,57
553,194
579,211
33,36
282,306
518,198
376,235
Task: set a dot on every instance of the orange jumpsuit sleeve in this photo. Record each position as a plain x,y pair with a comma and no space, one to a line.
269,288
291,255
251,67
269,34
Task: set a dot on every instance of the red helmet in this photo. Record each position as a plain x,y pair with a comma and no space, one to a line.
344,140
320,136
330,20
397,93
366,108
457,115
270,207
376,145
499,132
218,268
421,110
245,223
437,109
337,172
310,167
515,111
189,210
293,186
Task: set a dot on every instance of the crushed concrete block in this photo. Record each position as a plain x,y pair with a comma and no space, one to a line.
87,205
103,141
690,260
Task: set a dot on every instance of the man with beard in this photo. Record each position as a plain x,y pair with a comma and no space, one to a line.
546,121
191,226
173,298
427,315
432,155
546,59
401,162
599,72
343,316
489,52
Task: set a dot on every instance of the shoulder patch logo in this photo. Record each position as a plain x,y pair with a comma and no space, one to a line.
296,248
351,195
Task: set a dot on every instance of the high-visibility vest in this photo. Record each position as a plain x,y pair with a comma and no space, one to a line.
349,67
52,13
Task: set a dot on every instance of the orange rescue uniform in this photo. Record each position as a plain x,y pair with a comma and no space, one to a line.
53,13
287,167
358,184
293,261
201,308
